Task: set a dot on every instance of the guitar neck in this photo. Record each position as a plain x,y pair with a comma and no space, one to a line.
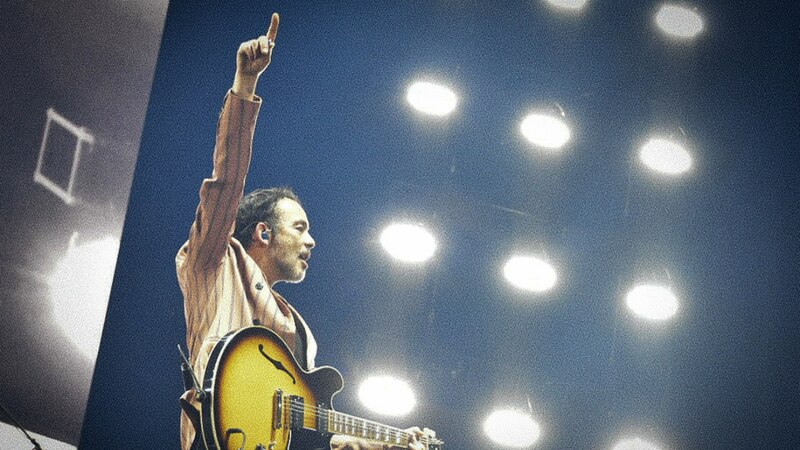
334,422
345,424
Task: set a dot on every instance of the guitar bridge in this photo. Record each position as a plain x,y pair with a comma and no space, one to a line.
277,413
296,411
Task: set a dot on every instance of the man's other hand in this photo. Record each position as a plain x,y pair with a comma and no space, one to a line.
252,59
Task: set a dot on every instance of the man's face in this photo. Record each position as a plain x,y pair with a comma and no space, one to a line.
291,243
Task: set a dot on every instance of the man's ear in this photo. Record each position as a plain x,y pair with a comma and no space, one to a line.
262,233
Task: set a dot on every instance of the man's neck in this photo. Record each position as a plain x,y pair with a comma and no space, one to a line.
259,255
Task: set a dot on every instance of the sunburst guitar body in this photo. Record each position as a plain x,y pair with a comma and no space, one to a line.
257,397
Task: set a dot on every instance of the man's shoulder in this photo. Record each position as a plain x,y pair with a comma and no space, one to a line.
235,250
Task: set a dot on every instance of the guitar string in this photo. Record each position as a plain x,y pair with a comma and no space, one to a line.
365,425
375,425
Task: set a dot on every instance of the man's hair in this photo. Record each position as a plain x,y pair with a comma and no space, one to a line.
259,206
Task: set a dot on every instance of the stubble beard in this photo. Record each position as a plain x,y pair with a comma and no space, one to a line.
292,272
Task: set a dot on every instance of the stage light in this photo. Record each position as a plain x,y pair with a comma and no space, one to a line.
679,21
80,287
652,302
408,242
530,273
571,5
12,438
511,428
546,131
387,395
635,444
430,98
665,156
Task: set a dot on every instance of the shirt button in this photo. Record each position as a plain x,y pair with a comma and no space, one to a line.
259,286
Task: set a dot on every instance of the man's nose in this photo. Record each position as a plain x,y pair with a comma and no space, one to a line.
309,241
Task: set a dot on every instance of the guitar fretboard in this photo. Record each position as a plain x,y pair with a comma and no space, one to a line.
339,423
333,422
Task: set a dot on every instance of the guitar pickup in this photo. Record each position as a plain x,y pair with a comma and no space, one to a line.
296,412
296,415
323,420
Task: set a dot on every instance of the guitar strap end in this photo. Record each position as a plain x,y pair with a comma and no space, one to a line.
190,381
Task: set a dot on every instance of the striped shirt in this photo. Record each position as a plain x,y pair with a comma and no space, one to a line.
223,287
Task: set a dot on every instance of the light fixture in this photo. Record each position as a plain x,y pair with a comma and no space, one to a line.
80,287
512,428
665,156
679,21
570,5
408,242
635,444
545,130
530,273
652,302
387,395
430,98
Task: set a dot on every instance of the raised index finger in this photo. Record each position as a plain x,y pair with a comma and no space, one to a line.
273,27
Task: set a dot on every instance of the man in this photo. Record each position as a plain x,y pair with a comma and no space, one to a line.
236,254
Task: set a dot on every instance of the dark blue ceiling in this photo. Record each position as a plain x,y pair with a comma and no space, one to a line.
336,127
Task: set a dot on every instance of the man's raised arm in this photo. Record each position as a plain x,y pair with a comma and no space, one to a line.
221,192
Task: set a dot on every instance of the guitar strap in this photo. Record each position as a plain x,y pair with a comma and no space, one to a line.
300,343
194,416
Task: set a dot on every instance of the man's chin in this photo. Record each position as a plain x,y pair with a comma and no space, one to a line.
297,278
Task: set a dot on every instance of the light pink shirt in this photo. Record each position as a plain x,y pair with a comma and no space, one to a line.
223,287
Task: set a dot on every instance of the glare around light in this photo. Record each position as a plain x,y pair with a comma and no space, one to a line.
652,302
679,21
573,5
665,156
430,98
530,273
408,243
546,131
511,428
80,287
635,444
387,395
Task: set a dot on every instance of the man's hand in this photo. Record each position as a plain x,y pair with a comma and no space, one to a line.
252,59
417,436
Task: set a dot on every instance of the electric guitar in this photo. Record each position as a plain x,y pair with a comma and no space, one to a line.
257,397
